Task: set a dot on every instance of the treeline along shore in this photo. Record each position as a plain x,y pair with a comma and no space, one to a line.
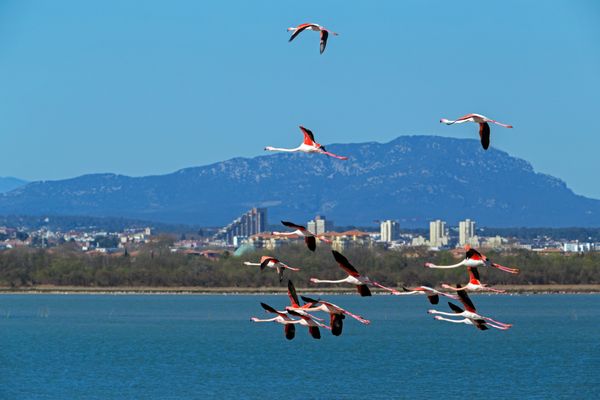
156,268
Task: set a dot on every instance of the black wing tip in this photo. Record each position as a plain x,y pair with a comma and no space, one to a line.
309,300
338,256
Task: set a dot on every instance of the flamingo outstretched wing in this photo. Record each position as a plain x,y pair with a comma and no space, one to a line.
324,36
484,135
299,29
345,264
293,225
292,294
465,300
311,242
309,138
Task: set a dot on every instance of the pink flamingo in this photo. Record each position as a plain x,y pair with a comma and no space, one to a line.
354,277
471,317
295,303
309,237
484,128
309,145
432,295
312,27
474,284
272,262
310,323
336,313
473,258
281,318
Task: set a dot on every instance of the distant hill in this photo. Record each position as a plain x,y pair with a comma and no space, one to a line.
413,179
8,183
76,222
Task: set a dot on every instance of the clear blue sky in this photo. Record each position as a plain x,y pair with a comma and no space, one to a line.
148,87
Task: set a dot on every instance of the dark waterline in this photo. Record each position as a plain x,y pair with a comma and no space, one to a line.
179,346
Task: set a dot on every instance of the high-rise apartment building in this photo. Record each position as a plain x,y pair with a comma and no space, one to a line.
437,233
319,225
466,232
390,230
250,223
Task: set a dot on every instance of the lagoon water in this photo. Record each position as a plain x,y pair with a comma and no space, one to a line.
205,346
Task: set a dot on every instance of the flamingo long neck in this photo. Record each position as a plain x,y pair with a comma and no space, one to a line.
270,148
250,263
264,320
443,313
456,321
285,233
328,281
457,121
452,287
447,266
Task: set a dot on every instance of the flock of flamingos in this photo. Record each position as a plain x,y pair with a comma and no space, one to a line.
297,314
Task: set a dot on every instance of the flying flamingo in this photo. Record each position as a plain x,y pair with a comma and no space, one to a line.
473,258
470,314
309,145
309,321
312,27
309,237
272,262
281,318
432,295
295,303
354,277
337,313
484,128
474,284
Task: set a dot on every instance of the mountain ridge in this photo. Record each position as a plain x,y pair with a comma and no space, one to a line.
412,179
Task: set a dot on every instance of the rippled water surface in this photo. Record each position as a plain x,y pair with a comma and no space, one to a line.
178,347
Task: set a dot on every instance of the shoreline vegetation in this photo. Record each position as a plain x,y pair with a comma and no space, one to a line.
155,269
124,290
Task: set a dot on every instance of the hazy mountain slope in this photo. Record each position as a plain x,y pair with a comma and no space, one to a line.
8,183
412,178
